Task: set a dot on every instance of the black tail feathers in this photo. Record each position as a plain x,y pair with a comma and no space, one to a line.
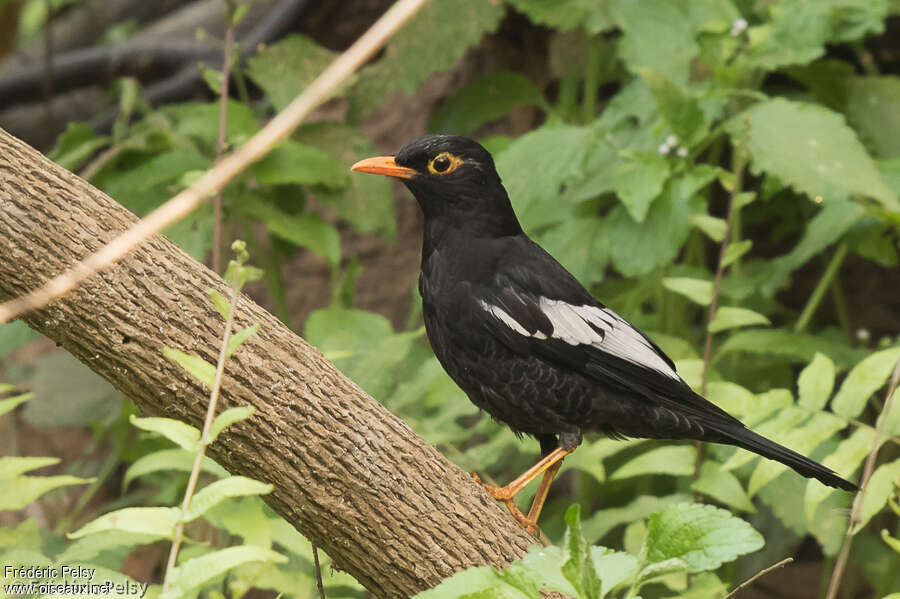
747,439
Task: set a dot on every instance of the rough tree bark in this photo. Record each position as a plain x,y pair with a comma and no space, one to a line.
388,508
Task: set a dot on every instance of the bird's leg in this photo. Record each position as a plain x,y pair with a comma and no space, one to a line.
507,493
537,504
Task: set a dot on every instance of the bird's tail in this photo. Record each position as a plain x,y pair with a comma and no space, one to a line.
747,439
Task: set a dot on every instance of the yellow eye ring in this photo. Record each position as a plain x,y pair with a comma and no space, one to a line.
444,164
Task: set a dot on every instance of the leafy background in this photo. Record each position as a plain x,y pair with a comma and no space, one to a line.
623,131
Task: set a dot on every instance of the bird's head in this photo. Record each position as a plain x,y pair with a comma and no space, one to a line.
453,179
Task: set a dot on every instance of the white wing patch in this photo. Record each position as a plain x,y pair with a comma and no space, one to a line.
590,325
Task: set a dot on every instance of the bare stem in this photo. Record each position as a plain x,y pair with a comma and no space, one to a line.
759,575
227,169
841,563
318,568
739,163
220,142
819,292
204,438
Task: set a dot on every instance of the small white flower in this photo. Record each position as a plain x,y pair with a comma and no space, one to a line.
682,152
863,335
672,140
738,27
664,149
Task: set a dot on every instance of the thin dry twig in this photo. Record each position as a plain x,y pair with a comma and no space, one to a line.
220,142
841,563
318,568
204,437
214,179
759,575
739,163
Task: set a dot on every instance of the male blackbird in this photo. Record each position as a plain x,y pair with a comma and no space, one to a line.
527,343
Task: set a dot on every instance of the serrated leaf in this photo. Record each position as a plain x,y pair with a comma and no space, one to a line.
536,167
11,403
367,203
183,435
712,226
657,570
292,162
734,251
169,459
562,14
197,572
677,460
196,366
702,536
155,521
238,338
732,317
682,112
696,290
483,99
723,486
18,492
219,301
668,24
227,418
844,460
284,69
811,148
864,380
433,40
578,567
220,490
613,567
881,486
638,180
815,383
305,230
871,109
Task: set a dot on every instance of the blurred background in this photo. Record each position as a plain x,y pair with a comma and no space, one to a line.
631,135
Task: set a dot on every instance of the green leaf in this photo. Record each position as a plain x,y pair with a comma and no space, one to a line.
579,567
366,202
292,162
871,109
238,338
863,381
220,490
731,317
169,459
197,572
284,69
473,583
14,335
880,487
702,536
219,301
613,567
183,435
11,403
712,226
483,99
433,40
536,167
668,24
75,145
815,383
734,251
677,460
723,486
156,521
11,467
88,548
19,491
696,290
197,367
227,418
638,180
200,120
796,347
305,229
580,245
682,112
811,148
563,14
844,460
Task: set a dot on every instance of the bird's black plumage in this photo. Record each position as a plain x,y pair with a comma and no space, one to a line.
525,341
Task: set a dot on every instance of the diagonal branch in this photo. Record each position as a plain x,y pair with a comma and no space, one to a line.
388,508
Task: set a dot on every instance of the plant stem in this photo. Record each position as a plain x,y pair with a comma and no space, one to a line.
841,563
591,80
819,292
318,567
220,142
758,575
204,437
840,307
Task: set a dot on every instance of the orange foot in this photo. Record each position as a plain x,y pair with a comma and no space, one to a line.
506,495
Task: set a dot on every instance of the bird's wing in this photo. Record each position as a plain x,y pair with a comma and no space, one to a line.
536,306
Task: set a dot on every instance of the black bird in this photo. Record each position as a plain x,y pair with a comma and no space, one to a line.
527,343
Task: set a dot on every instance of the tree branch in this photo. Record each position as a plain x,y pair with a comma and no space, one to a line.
388,508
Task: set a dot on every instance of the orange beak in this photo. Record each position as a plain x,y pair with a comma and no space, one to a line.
383,165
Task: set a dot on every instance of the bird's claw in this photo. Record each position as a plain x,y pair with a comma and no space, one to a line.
505,494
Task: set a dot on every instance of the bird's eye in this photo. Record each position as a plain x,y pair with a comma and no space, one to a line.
444,163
